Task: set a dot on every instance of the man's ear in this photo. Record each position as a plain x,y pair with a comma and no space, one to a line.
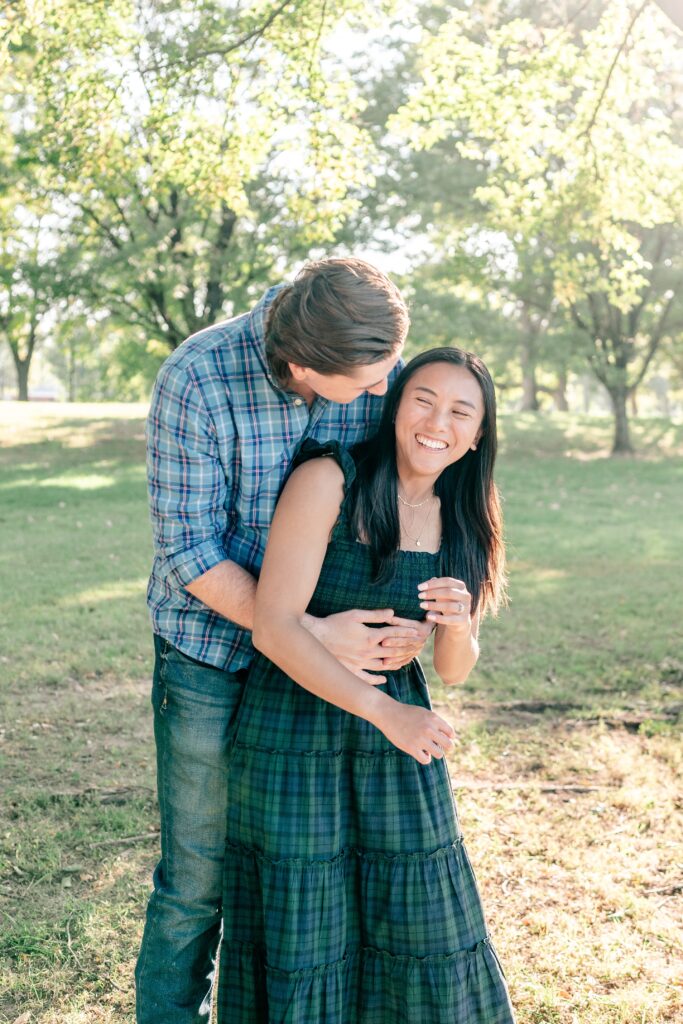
297,372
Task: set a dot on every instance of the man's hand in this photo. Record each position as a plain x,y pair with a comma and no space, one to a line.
361,649
401,650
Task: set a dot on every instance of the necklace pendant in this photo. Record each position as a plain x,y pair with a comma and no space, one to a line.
418,543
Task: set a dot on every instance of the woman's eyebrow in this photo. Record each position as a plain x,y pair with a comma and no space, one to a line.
456,401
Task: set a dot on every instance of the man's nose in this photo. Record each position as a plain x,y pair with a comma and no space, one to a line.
379,389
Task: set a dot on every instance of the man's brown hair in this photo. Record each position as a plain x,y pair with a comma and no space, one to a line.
337,315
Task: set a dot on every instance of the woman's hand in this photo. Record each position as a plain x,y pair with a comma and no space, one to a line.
447,602
416,731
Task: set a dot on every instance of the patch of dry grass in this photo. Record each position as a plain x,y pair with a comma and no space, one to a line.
576,834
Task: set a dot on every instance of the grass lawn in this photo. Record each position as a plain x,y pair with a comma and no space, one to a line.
568,763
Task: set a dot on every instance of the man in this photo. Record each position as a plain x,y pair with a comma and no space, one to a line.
229,409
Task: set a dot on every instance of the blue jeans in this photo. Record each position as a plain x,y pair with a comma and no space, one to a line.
194,706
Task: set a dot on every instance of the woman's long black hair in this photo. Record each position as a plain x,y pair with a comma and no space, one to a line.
472,547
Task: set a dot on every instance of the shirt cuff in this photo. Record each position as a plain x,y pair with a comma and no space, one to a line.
189,565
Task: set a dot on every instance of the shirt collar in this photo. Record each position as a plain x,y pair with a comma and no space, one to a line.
257,329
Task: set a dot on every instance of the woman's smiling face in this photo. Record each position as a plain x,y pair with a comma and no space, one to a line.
438,419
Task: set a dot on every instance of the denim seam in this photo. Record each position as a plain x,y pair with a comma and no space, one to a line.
163,658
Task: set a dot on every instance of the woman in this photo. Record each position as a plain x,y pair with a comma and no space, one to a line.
349,897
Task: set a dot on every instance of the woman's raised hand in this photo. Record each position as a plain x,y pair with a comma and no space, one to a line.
447,602
417,731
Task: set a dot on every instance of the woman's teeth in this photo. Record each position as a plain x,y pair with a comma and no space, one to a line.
427,442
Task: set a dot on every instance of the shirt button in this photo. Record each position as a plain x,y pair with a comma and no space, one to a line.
298,401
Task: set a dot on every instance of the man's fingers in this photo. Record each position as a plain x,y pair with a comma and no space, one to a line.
423,628
378,615
372,679
392,632
364,670
367,664
396,620
402,643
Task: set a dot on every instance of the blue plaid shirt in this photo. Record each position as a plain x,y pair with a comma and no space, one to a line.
220,436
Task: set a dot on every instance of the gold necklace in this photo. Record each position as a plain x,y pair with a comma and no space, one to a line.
416,540
419,504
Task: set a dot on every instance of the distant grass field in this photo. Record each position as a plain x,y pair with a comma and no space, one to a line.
568,764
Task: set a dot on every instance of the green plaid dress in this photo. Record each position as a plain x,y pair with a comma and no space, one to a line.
349,897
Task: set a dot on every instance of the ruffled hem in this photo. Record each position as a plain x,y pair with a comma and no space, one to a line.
366,986
306,912
368,856
315,804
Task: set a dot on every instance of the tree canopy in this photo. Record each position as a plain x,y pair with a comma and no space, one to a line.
165,160
584,171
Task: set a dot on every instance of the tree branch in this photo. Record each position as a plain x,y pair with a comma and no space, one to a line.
620,50
655,339
104,228
214,286
223,51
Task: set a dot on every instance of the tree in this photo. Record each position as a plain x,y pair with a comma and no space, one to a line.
467,281
194,148
30,250
31,276
584,167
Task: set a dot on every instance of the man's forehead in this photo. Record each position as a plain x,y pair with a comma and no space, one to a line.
372,374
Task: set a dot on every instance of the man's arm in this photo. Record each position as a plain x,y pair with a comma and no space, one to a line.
229,590
188,491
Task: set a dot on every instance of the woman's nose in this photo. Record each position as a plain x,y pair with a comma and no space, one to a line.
437,418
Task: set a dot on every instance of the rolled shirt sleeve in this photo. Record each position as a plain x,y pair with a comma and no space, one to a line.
188,482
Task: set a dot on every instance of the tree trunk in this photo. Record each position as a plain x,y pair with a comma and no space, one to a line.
528,356
22,366
586,394
622,437
560,395
23,363
633,402
71,371
527,361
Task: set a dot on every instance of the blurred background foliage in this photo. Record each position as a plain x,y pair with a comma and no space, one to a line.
517,167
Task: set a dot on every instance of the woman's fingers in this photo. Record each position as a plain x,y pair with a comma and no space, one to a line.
437,741
443,582
447,607
446,600
445,595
